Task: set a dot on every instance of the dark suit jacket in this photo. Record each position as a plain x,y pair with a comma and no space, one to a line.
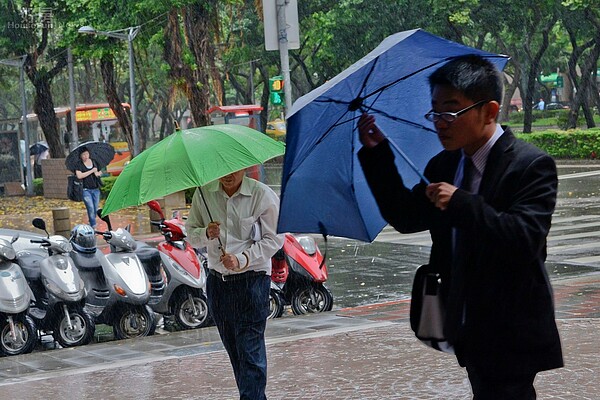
500,311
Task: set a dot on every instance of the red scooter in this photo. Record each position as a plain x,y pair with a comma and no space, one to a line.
297,277
186,278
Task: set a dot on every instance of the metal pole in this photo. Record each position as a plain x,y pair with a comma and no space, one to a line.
136,139
252,81
28,177
74,132
283,53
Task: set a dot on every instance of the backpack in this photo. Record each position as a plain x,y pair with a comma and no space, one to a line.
74,188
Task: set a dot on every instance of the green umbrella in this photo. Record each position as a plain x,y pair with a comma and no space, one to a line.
189,158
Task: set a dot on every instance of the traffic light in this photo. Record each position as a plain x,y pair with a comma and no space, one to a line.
276,89
276,99
276,84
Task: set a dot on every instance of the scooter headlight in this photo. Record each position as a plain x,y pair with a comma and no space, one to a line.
308,244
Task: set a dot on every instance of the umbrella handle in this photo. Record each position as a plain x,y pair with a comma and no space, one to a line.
405,157
211,218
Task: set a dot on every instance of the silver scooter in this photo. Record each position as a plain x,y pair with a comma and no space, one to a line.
18,333
117,286
59,291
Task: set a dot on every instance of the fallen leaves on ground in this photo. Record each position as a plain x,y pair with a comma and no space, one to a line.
17,212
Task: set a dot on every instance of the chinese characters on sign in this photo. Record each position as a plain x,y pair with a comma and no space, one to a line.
38,18
96,114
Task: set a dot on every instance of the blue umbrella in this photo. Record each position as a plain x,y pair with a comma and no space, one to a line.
323,187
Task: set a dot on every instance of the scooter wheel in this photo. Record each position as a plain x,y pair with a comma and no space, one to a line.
276,305
191,311
132,322
24,338
81,331
312,299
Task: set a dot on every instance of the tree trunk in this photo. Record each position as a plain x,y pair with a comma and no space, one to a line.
582,96
107,69
197,18
181,73
532,76
43,103
509,91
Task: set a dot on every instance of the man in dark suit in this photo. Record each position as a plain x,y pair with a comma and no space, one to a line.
488,209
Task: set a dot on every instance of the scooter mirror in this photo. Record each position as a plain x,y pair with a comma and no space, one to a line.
40,224
155,206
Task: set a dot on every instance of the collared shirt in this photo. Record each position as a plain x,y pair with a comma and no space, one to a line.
248,224
479,161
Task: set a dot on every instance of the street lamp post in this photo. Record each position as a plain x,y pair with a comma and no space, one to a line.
127,34
21,65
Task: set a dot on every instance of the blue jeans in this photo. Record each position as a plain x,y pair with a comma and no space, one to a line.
91,199
239,310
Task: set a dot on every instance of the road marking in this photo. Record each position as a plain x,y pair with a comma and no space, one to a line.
558,228
571,247
584,260
578,175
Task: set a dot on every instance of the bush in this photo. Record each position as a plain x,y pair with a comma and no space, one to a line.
563,118
38,186
572,144
108,183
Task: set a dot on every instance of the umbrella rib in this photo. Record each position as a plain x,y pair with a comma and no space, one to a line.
397,119
382,88
416,72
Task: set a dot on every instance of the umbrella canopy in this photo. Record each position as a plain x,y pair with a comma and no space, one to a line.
189,158
323,186
102,153
38,148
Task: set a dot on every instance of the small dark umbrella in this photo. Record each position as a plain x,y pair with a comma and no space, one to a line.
102,153
38,148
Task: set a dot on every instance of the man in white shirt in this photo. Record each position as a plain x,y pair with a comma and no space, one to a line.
235,218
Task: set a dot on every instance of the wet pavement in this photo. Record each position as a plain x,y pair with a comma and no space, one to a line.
366,352
363,349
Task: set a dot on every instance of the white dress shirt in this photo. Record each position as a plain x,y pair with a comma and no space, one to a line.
248,224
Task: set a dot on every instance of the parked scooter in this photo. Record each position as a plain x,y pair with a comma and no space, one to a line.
297,278
18,333
117,287
59,291
186,278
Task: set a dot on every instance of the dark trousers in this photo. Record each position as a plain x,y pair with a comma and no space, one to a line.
488,386
239,309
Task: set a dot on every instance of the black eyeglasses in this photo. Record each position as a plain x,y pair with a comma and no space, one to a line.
450,117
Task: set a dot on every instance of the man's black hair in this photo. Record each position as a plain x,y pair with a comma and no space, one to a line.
474,76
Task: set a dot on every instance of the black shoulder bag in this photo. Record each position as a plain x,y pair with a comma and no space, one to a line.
74,188
427,311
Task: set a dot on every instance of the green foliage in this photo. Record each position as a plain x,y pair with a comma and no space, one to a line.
108,183
562,119
189,194
38,186
544,118
573,144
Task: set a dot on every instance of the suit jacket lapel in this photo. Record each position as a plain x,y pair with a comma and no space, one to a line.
497,162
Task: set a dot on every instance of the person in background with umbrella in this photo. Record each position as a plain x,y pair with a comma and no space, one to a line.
88,172
235,218
489,209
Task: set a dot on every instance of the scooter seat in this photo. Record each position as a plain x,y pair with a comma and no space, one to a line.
30,265
150,259
86,261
